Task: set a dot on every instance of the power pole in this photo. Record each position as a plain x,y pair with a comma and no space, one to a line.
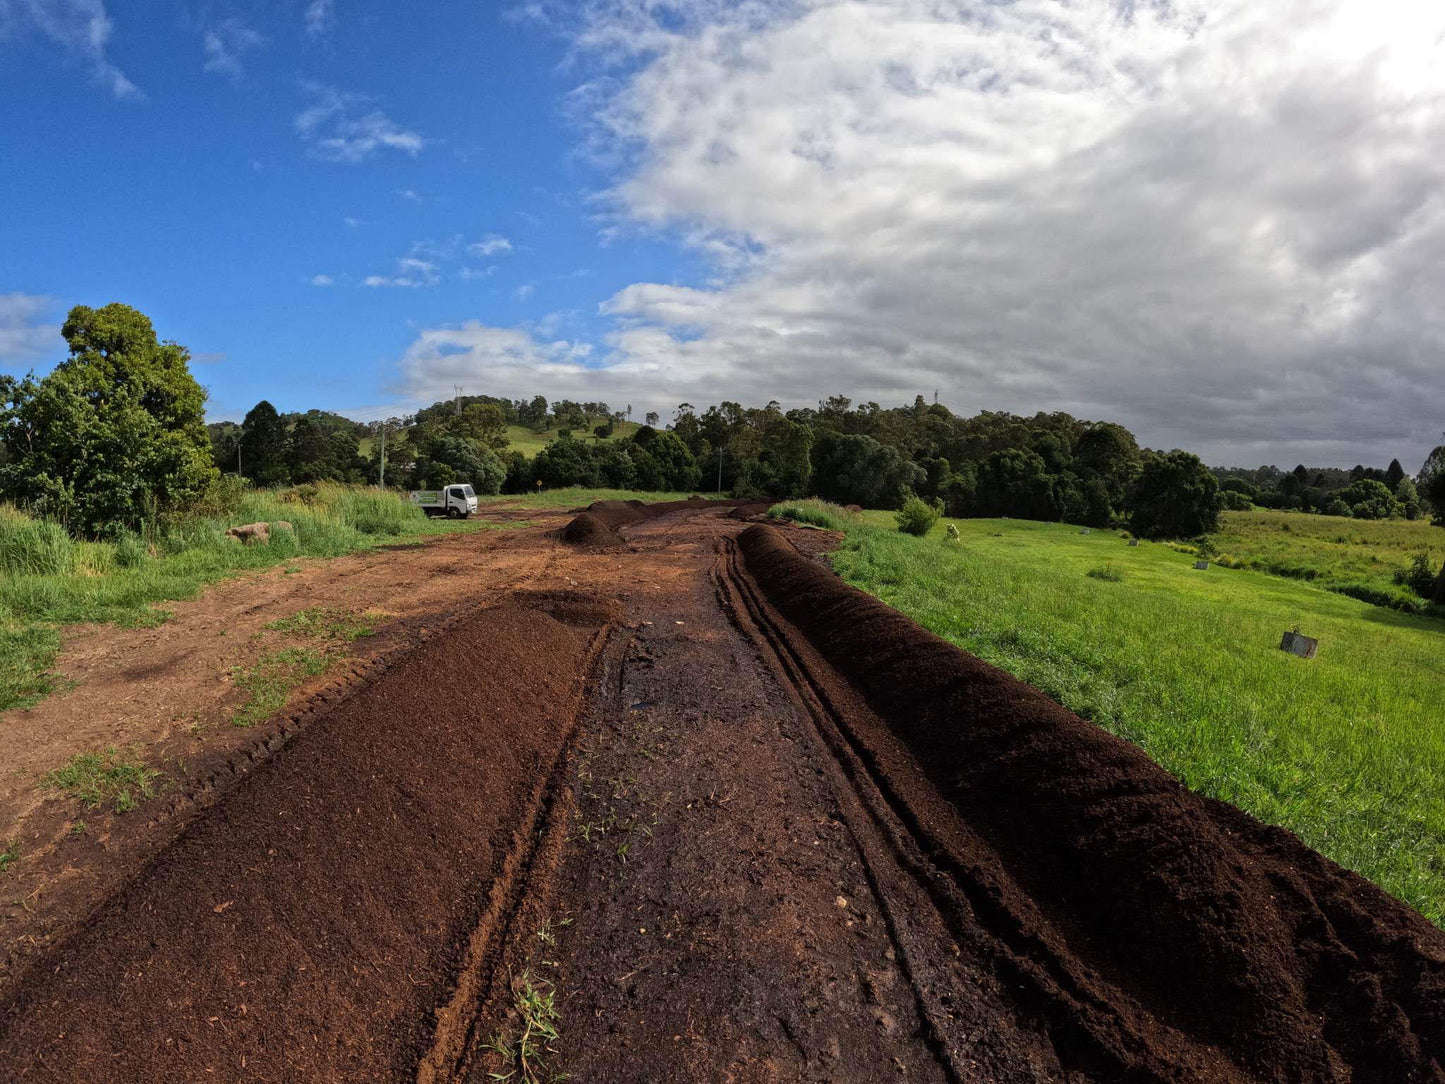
719,467
457,399
381,476
239,434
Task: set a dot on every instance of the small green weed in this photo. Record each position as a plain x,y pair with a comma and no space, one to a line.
10,855
271,680
96,778
1106,572
536,1005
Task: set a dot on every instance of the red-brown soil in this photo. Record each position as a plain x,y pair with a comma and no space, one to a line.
166,695
746,824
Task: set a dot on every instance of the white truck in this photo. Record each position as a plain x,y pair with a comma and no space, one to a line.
454,502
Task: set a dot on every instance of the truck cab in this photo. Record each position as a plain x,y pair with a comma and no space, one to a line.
454,501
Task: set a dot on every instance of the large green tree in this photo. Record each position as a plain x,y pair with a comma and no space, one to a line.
263,446
1176,496
116,433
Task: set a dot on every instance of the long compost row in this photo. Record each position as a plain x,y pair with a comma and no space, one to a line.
1151,929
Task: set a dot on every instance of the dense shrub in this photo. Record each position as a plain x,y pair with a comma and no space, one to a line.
918,516
1419,575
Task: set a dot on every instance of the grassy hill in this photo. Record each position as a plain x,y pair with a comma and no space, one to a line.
528,441
1347,749
1355,557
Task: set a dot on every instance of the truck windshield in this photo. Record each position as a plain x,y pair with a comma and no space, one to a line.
467,491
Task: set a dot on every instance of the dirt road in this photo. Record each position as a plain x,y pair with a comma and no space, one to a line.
684,807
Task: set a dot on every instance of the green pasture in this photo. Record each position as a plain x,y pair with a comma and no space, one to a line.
1346,749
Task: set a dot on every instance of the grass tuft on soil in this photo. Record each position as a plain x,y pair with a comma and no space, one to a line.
10,855
327,623
524,1057
1347,750
109,776
270,681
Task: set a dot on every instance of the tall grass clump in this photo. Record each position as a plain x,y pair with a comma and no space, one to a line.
34,547
378,513
825,514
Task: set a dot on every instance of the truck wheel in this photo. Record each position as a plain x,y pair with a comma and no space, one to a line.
454,513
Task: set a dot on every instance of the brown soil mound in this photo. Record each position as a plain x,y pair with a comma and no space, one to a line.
596,527
1140,919
748,511
592,532
307,928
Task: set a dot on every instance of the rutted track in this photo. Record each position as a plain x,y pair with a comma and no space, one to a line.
777,832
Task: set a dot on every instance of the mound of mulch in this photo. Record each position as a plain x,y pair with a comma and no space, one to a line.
748,511
1153,911
591,532
596,527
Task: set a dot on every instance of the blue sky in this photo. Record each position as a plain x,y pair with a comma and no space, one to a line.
198,200
1219,222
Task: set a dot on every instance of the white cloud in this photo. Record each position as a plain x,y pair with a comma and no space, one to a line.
1218,221
353,222
496,357
470,273
82,27
226,44
410,194
318,17
341,127
322,280
490,245
524,291
26,334
411,271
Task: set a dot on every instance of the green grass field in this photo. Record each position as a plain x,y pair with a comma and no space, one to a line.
1347,749
48,581
1352,556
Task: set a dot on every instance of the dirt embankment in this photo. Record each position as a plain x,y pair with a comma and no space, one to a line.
309,927
1148,926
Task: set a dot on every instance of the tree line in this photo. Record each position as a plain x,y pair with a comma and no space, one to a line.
1360,492
116,434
